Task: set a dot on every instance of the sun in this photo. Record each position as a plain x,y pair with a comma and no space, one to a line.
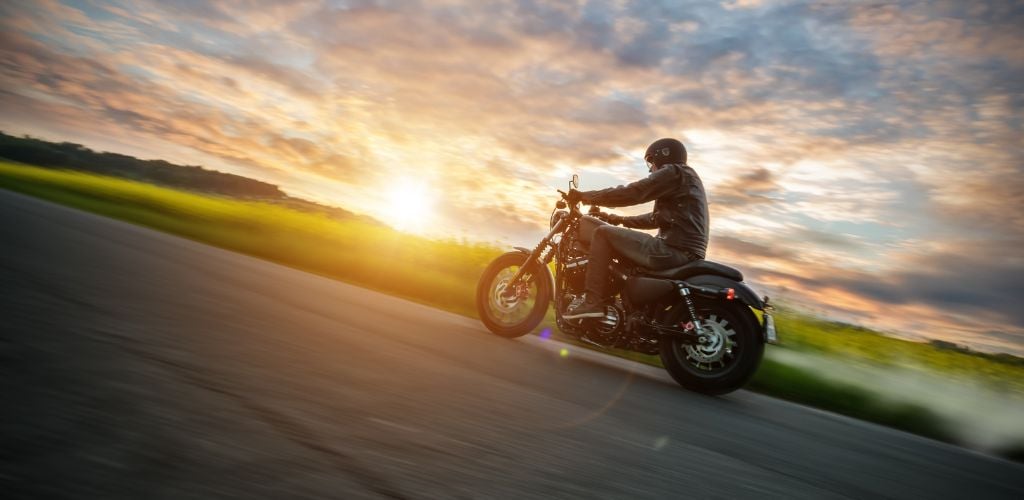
410,206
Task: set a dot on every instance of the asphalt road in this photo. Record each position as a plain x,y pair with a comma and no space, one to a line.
136,364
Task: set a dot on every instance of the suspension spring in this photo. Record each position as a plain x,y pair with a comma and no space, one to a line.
685,292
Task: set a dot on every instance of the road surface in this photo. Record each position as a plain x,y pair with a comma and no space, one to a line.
135,364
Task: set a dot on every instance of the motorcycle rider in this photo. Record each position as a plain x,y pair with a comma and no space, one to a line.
680,214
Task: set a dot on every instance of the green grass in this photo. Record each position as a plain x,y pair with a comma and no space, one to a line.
435,272
804,333
443,273
801,386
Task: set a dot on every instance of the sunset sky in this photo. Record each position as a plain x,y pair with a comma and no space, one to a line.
862,159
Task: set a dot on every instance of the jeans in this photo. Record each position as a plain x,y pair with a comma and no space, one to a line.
641,248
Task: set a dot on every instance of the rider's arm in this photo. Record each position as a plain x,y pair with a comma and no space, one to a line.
649,188
645,221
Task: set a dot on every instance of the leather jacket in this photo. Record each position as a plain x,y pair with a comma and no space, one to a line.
680,206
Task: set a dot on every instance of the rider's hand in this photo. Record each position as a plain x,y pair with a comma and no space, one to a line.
574,196
613,219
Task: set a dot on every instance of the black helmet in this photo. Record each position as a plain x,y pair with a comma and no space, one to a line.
665,151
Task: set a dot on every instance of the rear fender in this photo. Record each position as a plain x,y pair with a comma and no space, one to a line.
743,292
746,296
551,278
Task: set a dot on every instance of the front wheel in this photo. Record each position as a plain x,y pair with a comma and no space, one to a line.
512,310
727,360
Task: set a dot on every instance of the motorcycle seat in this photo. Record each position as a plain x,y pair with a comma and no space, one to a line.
699,266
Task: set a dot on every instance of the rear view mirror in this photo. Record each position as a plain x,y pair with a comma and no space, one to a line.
575,181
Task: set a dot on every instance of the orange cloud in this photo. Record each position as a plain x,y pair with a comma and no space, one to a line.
836,150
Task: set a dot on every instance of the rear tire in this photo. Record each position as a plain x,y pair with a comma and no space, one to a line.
725,365
512,317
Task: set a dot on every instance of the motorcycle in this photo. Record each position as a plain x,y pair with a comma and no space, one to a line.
699,318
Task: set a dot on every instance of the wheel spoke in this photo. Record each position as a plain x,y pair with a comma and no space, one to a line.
720,352
511,311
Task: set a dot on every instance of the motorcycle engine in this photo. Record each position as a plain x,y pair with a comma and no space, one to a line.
605,331
576,274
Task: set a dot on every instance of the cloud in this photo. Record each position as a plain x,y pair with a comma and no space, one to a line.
754,187
872,150
743,250
966,284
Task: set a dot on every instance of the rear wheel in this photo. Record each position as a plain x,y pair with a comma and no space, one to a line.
729,357
512,310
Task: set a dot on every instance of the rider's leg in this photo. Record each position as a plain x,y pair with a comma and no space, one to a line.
597,277
601,249
642,248
645,250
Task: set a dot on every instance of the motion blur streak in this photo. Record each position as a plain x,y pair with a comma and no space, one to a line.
870,150
141,364
980,414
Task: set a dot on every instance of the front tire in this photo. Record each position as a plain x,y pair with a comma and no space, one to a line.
519,314
725,363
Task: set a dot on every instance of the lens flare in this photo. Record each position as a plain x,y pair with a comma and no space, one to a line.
409,207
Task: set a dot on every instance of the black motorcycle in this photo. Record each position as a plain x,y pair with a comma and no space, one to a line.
699,317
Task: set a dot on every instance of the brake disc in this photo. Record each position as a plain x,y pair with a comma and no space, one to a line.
719,341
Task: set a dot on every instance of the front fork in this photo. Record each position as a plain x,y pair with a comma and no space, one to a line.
540,255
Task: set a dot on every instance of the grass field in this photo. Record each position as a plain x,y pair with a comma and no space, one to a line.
439,273
942,393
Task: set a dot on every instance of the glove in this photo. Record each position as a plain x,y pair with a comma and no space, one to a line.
613,219
574,196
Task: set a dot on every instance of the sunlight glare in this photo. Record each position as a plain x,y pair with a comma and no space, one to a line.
409,206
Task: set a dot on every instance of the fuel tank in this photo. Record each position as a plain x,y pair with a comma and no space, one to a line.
587,226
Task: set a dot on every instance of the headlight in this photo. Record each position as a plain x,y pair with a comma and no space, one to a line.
556,216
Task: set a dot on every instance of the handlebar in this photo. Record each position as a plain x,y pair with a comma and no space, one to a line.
573,207
594,211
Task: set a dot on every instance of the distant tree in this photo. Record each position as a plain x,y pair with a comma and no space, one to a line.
942,344
69,155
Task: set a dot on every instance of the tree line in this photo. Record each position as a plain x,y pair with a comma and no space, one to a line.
68,155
